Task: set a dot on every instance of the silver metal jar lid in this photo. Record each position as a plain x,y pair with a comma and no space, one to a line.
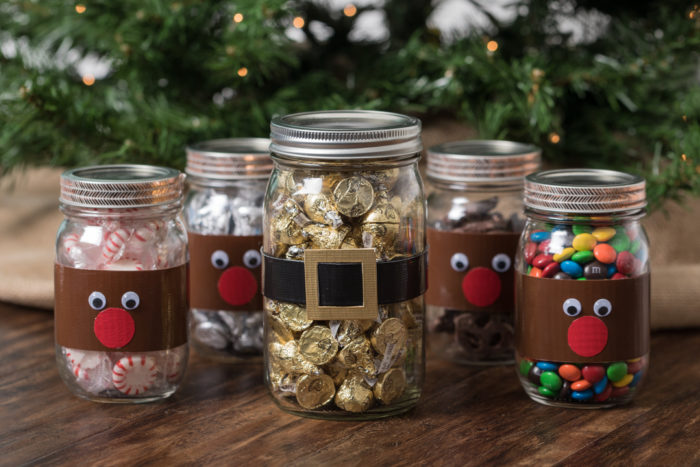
338,134
482,161
585,191
121,186
230,159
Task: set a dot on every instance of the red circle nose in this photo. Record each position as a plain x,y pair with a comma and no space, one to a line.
588,336
114,328
237,286
481,286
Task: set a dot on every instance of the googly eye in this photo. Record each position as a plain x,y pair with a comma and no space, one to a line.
97,300
602,307
500,262
572,307
459,262
130,300
252,259
219,259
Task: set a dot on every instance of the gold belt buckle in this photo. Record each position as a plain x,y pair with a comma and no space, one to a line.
365,256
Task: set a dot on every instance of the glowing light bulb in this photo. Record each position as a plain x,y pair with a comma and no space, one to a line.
243,71
88,80
350,10
80,8
684,157
237,18
492,46
298,22
554,138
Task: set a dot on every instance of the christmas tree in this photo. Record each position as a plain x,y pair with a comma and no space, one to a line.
135,81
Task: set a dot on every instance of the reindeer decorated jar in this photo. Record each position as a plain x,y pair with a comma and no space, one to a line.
475,217
582,288
224,210
121,283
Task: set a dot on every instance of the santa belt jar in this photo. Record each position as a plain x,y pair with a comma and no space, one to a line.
344,265
121,283
582,278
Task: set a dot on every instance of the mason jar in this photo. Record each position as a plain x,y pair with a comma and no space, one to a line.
475,218
582,314
120,281
344,265
223,210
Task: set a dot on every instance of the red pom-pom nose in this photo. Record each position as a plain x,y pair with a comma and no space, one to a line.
588,336
481,286
114,328
237,286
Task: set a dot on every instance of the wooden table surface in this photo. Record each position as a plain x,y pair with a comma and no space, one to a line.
222,414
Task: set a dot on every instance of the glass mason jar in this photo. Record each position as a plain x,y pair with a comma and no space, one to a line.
344,265
475,218
582,313
223,210
121,283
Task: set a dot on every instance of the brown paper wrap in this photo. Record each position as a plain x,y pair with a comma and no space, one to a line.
204,277
445,284
160,319
541,326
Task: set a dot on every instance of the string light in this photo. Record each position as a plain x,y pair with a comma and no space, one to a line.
492,46
298,22
243,71
684,157
350,10
80,8
237,18
554,138
685,118
88,80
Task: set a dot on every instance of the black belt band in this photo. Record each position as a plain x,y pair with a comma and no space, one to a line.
340,284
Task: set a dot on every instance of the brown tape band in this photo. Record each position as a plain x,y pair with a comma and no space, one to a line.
233,287
544,332
446,285
159,321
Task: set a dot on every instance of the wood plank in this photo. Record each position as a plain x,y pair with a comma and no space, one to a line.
222,415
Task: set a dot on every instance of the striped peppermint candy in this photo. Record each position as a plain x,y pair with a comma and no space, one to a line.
114,244
70,241
134,374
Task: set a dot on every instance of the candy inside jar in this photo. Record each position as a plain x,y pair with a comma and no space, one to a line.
343,337
121,256
582,321
224,210
475,217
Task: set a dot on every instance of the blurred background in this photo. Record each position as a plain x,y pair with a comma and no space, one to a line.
612,84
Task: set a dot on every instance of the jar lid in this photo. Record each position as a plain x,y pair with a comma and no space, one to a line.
230,159
589,191
338,134
121,186
482,161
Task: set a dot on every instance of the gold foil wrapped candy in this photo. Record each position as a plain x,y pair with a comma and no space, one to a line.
325,237
390,334
319,208
318,345
314,391
390,385
354,395
353,196
358,354
293,316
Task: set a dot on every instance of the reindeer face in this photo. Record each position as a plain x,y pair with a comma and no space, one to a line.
471,272
590,321
225,272
132,311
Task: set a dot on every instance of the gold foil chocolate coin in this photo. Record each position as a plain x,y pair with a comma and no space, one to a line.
354,395
318,345
353,196
314,391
